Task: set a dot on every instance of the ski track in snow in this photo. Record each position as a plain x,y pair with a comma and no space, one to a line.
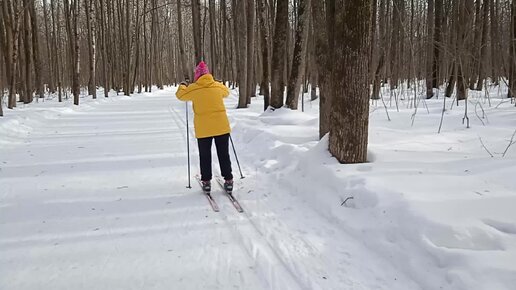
96,197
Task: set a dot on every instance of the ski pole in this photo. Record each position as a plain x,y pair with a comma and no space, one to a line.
236,157
188,144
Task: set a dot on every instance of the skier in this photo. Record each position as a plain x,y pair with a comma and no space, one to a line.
210,122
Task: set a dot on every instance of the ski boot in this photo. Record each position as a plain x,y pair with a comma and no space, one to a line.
228,185
206,186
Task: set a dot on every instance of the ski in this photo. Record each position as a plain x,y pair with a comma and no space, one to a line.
230,195
212,201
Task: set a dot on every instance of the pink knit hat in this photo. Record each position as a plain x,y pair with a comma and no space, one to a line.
201,70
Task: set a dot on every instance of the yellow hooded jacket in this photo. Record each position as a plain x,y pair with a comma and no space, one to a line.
210,118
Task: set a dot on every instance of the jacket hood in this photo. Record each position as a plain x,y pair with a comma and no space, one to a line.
205,80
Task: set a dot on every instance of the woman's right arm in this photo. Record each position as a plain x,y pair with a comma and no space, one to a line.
183,93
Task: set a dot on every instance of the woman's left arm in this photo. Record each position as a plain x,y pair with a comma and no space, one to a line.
225,90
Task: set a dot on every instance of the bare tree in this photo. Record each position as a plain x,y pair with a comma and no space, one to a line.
430,50
264,33
437,45
464,11
48,39
213,39
36,49
241,44
11,11
196,18
350,81
27,47
90,24
512,73
250,82
323,33
278,54
72,26
298,55
482,64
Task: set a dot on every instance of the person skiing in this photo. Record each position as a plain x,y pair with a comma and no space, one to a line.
210,122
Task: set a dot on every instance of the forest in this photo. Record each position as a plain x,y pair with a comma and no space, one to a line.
342,51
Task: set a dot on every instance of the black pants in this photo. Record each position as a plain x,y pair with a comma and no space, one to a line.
222,144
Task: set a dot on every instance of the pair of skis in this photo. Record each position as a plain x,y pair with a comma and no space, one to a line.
229,195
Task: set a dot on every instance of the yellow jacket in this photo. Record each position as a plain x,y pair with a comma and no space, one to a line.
210,118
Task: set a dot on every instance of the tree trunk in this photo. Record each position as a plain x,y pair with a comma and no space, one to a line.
495,63
71,18
437,45
51,85
350,82
278,54
383,44
186,71
298,55
213,38
10,22
4,54
241,27
475,60
397,7
56,46
264,33
224,53
196,25
250,82
105,78
36,53
464,14
13,27
482,64
323,37
27,84
512,57
429,50
88,7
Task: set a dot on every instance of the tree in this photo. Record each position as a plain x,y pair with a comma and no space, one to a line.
213,39
182,55
48,38
298,55
482,64
27,47
36,49
278,54
512,73
264,33
323,31
72,26
395,49
88,9
437,45
11,16
430,50
250,82
464,12
241,45
196,18
350,81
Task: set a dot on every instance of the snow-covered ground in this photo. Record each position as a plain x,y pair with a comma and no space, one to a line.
95,197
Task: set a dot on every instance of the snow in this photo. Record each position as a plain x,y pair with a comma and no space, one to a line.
95,197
